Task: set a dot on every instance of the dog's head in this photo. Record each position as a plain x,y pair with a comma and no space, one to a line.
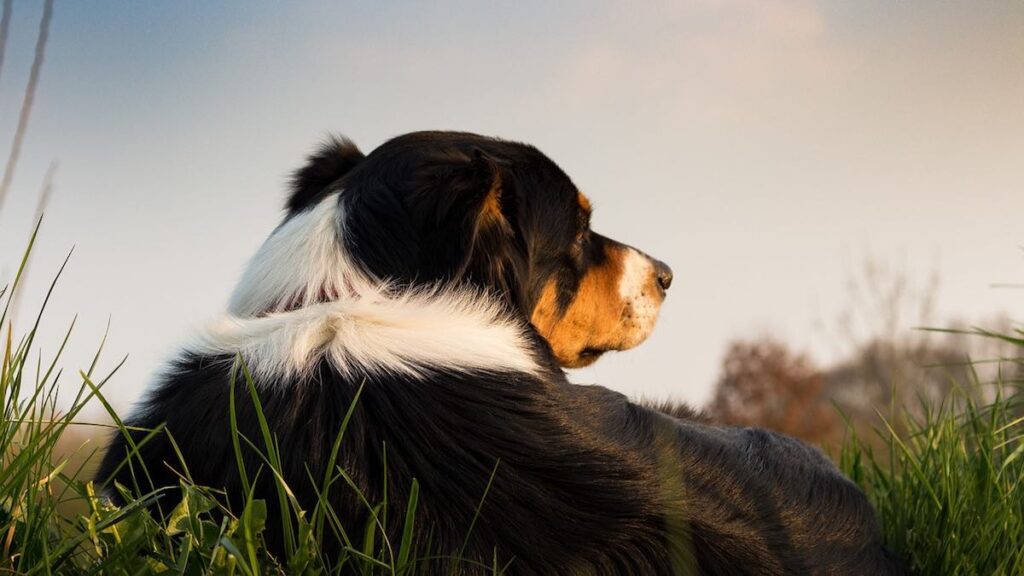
455,208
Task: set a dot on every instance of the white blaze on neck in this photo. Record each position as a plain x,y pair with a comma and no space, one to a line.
377,334
278,323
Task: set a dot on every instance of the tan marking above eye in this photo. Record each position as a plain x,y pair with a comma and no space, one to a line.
583,224
584,202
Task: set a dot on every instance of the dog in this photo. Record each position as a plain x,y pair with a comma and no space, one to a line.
430,294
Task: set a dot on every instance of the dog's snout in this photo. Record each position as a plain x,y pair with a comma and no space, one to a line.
664,274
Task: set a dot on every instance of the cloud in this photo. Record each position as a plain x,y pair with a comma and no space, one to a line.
725,60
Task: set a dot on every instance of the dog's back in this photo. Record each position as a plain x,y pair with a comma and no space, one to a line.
583,480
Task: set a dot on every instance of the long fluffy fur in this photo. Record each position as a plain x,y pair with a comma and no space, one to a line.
377,333
302,299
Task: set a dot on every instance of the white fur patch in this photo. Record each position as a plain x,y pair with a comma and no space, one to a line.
406,335
637,272
300,261
281,327
640,295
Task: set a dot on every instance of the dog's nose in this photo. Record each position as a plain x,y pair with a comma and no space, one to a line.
664,274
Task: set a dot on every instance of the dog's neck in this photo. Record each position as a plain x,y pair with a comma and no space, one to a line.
302,300
414,334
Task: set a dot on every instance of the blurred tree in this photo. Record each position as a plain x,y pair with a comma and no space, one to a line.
763,383
884,363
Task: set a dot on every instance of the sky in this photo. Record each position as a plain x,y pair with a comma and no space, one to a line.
765,149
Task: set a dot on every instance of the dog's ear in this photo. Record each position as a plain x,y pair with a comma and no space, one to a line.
466,215
327,165
448,216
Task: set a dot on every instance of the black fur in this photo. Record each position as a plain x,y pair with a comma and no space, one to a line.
418,200
323,169
586,481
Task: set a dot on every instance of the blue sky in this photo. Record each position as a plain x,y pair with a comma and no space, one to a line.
763,148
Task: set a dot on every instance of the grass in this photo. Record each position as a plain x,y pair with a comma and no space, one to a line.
39,485
948,492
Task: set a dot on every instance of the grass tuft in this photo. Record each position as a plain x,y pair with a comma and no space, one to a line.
949,492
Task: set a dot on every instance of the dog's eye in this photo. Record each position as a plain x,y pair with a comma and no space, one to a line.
581,239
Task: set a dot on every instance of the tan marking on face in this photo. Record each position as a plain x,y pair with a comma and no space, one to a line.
611,310
545,312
